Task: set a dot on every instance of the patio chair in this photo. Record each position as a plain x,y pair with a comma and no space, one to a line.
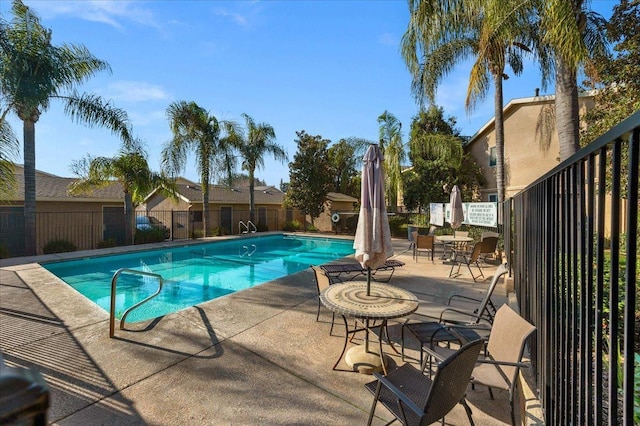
463,257
500,368
322,281
337,271
423,243
489,246
450,327
415,399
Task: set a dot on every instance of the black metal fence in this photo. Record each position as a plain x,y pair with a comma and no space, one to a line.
91,230
573,248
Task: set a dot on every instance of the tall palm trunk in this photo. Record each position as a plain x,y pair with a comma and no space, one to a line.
567,111
128,217
205,200
499,123
251,197
29,137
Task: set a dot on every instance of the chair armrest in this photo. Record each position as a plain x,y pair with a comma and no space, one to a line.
399,394
505,363
457,311
473,299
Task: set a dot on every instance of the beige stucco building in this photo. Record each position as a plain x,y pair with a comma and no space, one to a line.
530,143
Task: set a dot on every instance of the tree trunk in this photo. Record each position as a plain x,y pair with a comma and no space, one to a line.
251,197
499,128
205,200
567,112
129,226
29,138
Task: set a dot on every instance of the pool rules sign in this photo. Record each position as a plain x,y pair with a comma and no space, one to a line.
479,214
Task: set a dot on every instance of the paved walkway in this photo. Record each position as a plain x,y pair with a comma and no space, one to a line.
253,357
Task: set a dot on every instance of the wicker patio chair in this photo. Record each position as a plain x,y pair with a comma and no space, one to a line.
505,348
423,243
415,399
430,333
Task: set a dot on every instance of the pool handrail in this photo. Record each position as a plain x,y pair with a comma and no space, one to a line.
114,280
247,227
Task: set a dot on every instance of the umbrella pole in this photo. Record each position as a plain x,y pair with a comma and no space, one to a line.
366,333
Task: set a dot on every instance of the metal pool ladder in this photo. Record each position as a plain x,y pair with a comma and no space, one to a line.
248,227
114,282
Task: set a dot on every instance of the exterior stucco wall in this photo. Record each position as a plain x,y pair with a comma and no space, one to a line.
530,147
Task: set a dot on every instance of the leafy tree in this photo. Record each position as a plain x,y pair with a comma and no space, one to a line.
131,169
615,77
253,146
438,162
194,129
33,72
342,158
440,34
241,180
390,134
284,186
309,175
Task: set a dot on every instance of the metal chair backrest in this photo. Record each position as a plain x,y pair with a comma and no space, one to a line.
425,241
507,341
322,280
450,382
489,245
483,311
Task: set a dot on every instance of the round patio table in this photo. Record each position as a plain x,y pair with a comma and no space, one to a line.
383,303
454,241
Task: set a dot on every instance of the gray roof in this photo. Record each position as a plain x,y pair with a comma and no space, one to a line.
55,188
192,193
337,196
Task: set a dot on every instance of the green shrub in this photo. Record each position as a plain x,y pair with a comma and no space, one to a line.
4,251
292,225
312,228
58,246
197,233
111,242
398,226
352,223
144,236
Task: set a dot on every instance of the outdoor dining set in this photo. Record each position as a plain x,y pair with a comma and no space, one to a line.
354,292
473,324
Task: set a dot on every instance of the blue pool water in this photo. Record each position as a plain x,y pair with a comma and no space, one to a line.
196,273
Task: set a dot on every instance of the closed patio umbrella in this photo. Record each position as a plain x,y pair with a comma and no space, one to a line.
373,237
457,214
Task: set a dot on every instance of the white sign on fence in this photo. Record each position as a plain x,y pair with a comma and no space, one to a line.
479,214
436,214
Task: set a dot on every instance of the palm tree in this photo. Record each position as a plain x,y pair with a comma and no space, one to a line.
131,169
9,148
258,141
33,72
440,34
573,34
195,129
390,135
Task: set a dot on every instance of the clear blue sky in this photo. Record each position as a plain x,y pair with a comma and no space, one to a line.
327,67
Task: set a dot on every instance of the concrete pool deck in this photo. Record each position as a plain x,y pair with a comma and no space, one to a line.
253,357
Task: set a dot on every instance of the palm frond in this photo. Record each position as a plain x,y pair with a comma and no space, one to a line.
92,110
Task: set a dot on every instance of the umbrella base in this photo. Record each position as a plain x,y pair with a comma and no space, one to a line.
364,362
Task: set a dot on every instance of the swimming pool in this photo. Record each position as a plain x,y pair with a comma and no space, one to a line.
195,273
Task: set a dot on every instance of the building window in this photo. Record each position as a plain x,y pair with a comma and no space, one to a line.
493,198
289,215
493,160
